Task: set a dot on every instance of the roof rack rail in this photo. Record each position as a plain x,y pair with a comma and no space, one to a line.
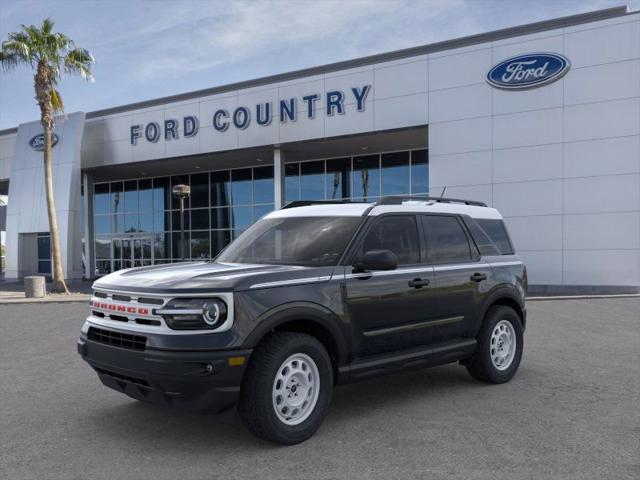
306,203
399,199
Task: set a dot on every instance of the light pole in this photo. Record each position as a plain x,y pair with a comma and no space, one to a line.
182,192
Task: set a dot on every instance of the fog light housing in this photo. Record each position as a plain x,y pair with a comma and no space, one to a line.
194,313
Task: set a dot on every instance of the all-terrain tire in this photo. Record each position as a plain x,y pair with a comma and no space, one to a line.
290,358
500,324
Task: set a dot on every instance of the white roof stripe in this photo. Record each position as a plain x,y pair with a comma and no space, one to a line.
358,209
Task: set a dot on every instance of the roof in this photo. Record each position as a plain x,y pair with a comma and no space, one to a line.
371,59
358,209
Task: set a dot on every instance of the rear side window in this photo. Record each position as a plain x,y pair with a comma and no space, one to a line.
446,240
497,233
396,233
484,243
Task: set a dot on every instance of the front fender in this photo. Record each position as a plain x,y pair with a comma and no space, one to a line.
314,313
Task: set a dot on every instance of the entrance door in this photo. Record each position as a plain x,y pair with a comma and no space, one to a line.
132,251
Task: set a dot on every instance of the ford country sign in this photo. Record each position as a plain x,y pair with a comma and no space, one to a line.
528,71
37,142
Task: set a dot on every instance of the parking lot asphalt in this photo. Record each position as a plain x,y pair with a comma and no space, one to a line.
571,412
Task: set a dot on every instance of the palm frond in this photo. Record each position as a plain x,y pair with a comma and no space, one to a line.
56,101
47,26
79,61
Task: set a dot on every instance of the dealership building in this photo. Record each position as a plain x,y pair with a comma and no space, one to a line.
541,121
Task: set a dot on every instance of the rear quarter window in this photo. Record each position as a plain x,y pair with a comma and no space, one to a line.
497,232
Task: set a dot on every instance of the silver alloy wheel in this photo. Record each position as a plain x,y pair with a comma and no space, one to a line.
503,345
296,389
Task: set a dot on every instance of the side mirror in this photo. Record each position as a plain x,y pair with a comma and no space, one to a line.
377,260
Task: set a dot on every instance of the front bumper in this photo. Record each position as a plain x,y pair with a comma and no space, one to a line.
193,380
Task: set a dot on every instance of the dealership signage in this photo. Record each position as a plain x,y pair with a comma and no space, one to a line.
37,142
528,71
286,110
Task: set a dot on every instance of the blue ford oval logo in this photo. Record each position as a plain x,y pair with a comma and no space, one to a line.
528,71
37,142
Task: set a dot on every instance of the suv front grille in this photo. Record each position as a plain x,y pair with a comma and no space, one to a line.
117,339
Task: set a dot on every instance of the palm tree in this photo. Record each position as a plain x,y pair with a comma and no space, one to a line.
50,55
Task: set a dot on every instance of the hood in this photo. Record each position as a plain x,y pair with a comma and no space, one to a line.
199,276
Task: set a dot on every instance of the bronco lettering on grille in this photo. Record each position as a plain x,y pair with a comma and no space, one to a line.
110,307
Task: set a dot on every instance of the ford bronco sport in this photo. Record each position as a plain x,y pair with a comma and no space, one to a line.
312,296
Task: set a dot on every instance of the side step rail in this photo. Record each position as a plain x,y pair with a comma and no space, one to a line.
438,354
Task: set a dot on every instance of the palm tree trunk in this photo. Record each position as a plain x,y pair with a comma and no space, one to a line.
59,284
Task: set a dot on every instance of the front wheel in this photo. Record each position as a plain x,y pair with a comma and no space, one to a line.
287,388
499,348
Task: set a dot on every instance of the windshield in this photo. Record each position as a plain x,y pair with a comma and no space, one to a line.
306,241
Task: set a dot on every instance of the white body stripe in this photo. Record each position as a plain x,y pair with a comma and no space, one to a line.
296,281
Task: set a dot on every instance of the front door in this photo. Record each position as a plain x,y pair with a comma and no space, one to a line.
132,251
389,310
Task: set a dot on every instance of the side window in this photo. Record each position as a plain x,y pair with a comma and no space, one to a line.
498,233
396,233
446,240
484,243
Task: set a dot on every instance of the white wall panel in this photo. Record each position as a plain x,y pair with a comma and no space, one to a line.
460,136
603,45
616,193
540,162
608,156
602,231
459,103
549,96
398,112
602,82
471,168
543,267
478,193
346,82
403,79
351,122
527,128
601,120
548,41
602,267
303,129
212,140
547,228
94,132
528,198
117,152
456,70
117,127
7,146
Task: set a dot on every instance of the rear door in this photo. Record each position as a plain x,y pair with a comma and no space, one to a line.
388,310
460,278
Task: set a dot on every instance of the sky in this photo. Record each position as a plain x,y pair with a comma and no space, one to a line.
150,49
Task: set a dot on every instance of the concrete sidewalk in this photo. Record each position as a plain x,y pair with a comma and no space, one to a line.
11,292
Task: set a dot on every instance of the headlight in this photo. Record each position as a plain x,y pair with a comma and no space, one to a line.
194,313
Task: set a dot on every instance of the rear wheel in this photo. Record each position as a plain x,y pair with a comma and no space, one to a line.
499,348
287,388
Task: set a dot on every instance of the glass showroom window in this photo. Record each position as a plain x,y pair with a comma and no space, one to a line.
365,177
137,222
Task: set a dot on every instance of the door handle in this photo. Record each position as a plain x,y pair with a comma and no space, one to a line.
478,277
418,283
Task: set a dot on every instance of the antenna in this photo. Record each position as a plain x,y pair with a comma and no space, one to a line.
442,194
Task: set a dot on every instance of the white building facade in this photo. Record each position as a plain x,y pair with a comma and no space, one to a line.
541,121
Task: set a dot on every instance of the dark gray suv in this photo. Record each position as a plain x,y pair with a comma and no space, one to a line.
312,296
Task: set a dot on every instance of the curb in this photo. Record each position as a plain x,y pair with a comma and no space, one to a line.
582,297
71,299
